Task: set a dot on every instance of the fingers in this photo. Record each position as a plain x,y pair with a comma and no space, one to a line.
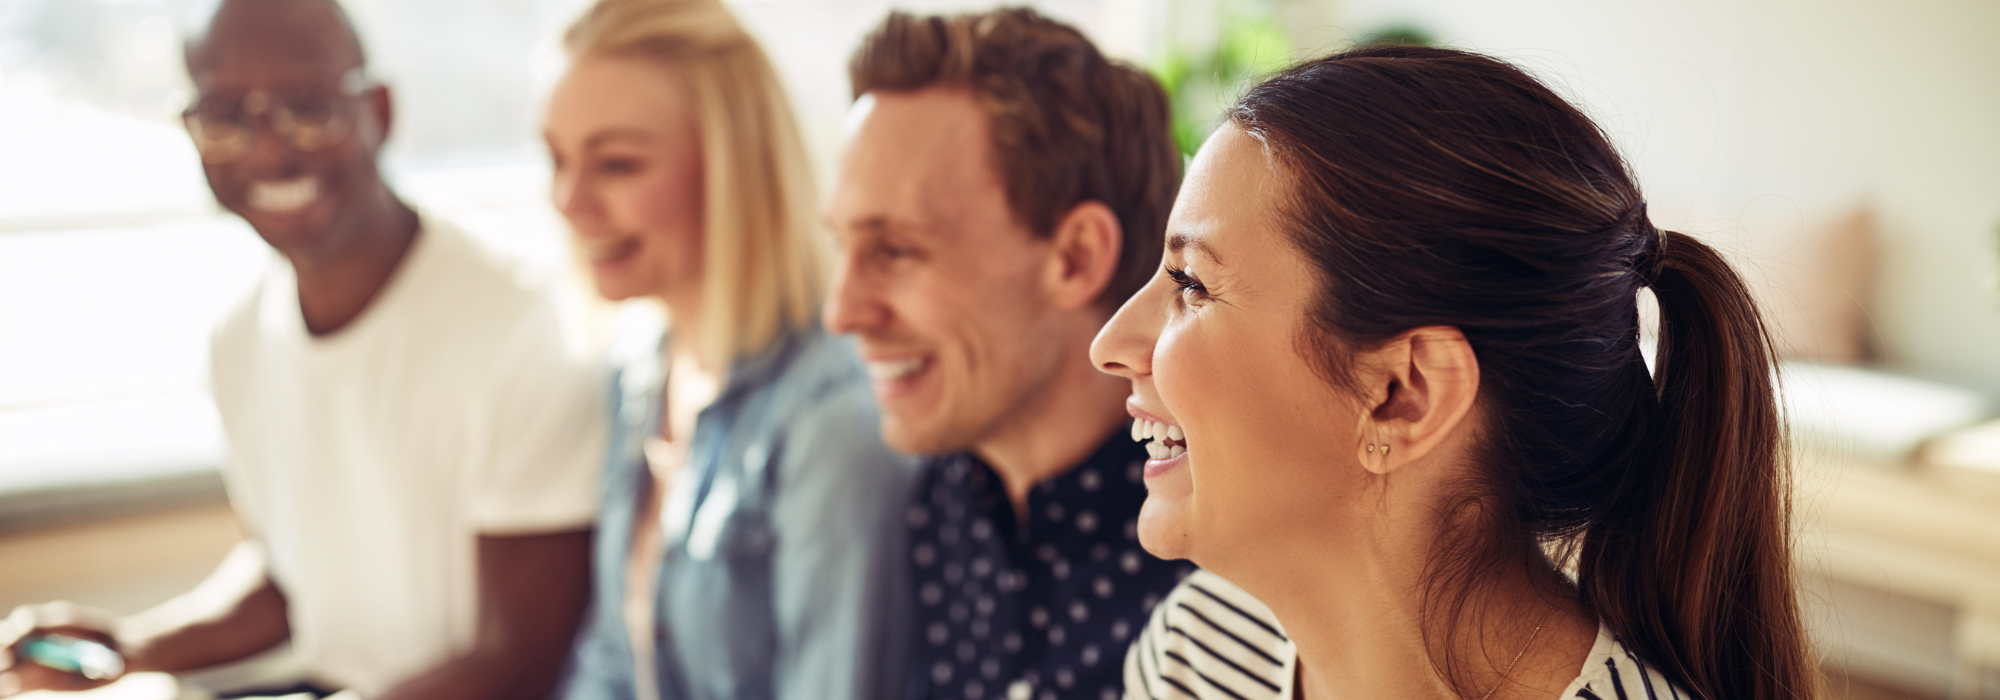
62,617
17,625
17,676
63,614
37,677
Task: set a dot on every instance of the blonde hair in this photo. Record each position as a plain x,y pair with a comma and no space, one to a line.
765,265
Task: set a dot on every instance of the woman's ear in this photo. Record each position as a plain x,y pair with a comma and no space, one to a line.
1416,390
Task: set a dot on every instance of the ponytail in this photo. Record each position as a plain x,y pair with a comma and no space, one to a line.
1693,567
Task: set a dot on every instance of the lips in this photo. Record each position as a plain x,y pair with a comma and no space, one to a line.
609,250
282,196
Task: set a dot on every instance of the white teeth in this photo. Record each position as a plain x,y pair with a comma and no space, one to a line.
283,196
1155,436
891,370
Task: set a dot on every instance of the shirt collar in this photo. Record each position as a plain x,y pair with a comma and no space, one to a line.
746,372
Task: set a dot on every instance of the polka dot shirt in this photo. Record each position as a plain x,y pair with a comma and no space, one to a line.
1035,610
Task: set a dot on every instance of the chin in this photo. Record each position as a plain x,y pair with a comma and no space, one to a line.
924,430
1163,528
902,436
615,290
287,235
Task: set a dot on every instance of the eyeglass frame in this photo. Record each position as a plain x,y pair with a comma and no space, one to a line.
263,106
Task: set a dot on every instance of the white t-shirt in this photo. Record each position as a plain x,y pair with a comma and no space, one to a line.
1209,640
368,462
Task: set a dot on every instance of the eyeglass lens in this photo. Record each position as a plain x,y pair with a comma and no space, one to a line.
224,129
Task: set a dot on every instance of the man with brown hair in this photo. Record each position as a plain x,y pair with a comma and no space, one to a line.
1001,190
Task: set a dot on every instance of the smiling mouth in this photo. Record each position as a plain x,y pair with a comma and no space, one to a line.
283,196
1163,440
600,252
892,370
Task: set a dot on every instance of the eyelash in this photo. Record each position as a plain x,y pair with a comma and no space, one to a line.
892,251
618,166
1190,287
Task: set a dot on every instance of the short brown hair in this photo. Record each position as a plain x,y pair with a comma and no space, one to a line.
1069,126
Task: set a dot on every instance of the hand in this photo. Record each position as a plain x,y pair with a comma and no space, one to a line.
18,675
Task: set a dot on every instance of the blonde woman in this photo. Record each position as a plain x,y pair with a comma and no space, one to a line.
751,514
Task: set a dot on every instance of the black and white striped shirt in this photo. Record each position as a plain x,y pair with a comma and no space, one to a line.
1212,641
1209,639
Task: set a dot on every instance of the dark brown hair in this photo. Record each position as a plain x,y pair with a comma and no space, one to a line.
1069,126
1438,187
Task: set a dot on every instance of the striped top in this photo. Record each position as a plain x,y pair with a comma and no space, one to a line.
1212,641
1209,639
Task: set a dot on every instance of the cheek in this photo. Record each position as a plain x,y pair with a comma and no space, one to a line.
351,165
225,182
1261,429
664,208
980,302
1200,379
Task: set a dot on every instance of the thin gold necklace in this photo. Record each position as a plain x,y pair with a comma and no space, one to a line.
1517,659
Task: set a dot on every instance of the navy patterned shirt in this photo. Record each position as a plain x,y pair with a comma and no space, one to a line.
1035,610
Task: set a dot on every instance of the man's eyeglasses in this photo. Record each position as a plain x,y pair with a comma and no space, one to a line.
224,130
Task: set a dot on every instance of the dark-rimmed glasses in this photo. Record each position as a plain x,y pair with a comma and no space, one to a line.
225,129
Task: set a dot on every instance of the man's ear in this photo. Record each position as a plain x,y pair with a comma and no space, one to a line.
1083,255
381,110
1417,389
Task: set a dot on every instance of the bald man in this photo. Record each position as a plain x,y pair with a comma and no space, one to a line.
413,444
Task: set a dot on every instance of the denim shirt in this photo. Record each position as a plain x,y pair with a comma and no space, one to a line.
782,576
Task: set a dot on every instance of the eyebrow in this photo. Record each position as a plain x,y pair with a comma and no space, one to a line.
871,224
1184,240
600,138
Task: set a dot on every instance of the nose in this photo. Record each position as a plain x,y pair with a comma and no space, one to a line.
852,304
565,193
268,152
1124,347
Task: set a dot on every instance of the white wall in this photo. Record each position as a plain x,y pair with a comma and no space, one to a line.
1749,121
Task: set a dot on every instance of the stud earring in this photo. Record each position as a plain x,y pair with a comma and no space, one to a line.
1371,447
1385,450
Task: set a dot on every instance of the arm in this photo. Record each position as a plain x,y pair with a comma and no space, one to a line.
238,612
838,571
532,593
251,625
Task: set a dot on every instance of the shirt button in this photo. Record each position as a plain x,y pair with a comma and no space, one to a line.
1020,690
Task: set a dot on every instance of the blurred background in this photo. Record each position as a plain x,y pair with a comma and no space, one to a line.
1846,153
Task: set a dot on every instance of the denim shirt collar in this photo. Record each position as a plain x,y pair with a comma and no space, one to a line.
762,367
644,378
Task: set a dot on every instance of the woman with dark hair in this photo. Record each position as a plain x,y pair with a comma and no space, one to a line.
1392,376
